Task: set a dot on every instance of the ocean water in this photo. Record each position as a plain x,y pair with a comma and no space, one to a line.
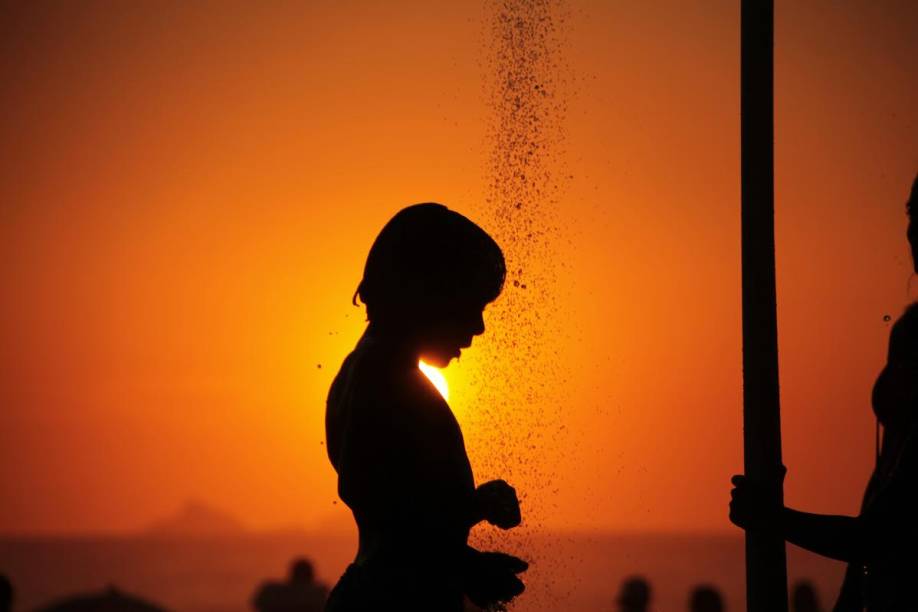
569,572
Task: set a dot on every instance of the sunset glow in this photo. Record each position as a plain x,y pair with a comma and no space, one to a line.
436,377
190,196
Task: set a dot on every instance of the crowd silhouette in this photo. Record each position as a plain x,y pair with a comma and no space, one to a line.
636,595
301,592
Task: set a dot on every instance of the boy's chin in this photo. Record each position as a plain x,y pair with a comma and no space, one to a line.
439,360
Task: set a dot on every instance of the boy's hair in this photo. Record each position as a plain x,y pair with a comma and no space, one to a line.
428,256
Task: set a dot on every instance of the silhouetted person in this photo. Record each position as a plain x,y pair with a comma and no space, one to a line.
398,450
300,593
634,595
880,545
6,594
804,598
706,598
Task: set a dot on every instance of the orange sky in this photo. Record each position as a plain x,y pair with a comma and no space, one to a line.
188,191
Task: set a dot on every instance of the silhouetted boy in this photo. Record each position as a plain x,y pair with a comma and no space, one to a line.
398,450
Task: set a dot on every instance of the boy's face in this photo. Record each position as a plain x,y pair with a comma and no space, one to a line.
450,330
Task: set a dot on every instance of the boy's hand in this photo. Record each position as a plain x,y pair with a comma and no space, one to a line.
497,503
490,578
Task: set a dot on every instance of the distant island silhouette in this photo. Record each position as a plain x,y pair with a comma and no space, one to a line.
196,519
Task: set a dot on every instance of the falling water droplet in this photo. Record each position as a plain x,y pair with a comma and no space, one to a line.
520,382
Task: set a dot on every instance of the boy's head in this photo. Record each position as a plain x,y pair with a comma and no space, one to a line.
428,277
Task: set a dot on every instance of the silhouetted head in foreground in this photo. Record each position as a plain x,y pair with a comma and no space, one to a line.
300,592
6,594
634,595
301,571
427,279
706,598
804,598
911,207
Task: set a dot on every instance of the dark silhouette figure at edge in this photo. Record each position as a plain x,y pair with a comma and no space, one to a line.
6,594
634,595
804,598
393,440
706,598
300,593
880,545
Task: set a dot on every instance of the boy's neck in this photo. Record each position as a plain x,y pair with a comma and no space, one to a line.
399,344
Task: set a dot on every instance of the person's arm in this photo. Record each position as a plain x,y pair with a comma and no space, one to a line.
836,537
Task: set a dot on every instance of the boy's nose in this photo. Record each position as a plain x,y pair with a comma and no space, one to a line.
479,326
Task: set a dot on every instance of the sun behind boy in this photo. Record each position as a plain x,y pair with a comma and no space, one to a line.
393,440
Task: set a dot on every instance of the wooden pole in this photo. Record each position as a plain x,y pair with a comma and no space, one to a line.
766,566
